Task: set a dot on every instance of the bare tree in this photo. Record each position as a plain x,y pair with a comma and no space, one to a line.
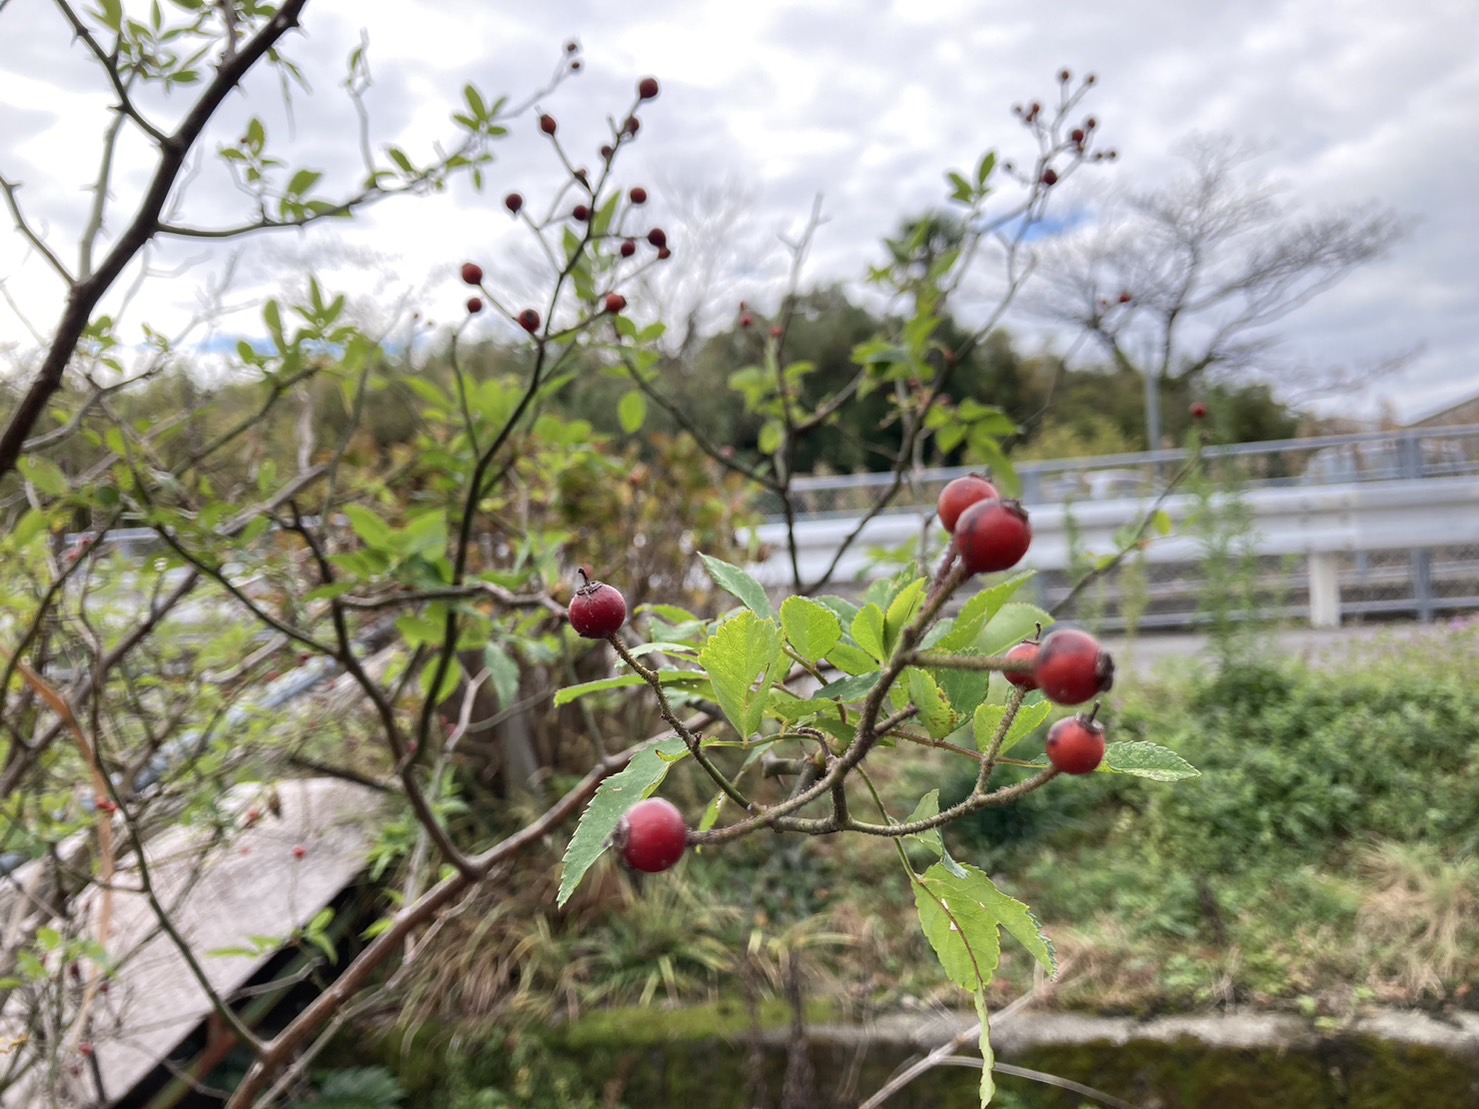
1193,278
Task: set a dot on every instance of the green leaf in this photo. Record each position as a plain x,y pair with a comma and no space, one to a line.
623,681
503,671
372,530
851,660
609,804
737,583
811,629
978,611
769,439
1011,625
934,709
632,411
302,181
44,474
848,689
988,1057
900,611
1147,760
1161,521
737,656
867,629
961,918
927,809
987,722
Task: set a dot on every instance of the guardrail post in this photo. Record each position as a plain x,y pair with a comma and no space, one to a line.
1422,584
1324,575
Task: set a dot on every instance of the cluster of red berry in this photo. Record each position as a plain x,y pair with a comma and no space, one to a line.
1067,664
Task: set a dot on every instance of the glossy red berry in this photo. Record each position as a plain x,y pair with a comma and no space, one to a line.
638,195
1076,745
615,303
960,494
529,320
1126,297
474,305
1072,668
647,88
632,125
1050,177
597,610
513,202
652,836
992,535
472,273
581,212
628,248
1023,652
1199,411
548,125
657,237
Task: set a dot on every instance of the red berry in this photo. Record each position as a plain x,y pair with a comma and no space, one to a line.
474,306
85,1048
1077,135
652,836
647,88
547,124
607,150
776,332
747,320
1072,668
615,302
1076,745
472,273
638,195
513,202
575,65
597,610
1023,652
252,816
1064,75
300,852
1125,297
960,494
992,535
1050,177
529,320
581,212
663,254
572,46
628,248
1198,411
632,125
657,237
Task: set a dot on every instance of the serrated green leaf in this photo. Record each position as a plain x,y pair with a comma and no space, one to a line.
848,689
987,722
737,583
901,611
609,804
867,629
623,681
978,611
740,654
811,629
1147,760
846,611
852,660
631,410
961,918
927,809
934,710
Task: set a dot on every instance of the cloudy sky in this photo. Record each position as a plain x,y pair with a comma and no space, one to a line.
765,106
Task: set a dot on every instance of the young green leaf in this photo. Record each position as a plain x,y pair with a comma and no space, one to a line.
867,629
901,610
739,584
737,656
934,710
609,804
978,611
810,628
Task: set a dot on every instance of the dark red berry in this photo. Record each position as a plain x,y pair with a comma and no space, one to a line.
992,535
638,195
472,273
513,202
632,125
1126,297
1064,75
1072,668
1198,411
607,151
960,494
572,46
663,254
581,212
652,836
529,320
1050,177
548,125
747,320
615,303
300,852
657,237
597,610
1076,745
575,65
628,248
647,88
776,332
1023,652
474,305
1077,135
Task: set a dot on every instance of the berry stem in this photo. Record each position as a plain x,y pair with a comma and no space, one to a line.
997,663
690,738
